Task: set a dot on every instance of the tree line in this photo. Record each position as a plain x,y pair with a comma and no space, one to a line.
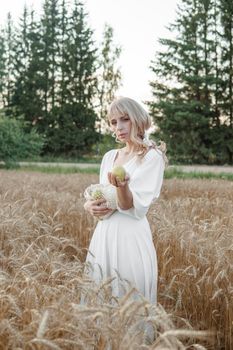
193,86
55,78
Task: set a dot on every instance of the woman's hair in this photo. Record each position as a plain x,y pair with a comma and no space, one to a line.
141,122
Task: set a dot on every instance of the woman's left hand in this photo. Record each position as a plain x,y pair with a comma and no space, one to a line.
115,181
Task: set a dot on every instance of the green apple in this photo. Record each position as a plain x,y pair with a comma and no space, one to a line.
120,172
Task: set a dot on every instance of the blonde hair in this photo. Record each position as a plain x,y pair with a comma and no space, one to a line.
141,122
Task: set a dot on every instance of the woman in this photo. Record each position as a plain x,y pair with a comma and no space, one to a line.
122,245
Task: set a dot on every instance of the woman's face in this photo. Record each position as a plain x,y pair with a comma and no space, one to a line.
121,126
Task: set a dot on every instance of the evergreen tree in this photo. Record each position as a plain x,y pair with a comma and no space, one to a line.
49,74
217,91
49,37
208,38
81,58
27,97
74,129
21,63
2,68
109,76
9,64
63,38
184,109
226,9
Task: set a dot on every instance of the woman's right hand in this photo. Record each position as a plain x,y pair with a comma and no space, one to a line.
97,207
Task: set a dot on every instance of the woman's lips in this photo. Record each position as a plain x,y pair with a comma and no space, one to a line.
121,135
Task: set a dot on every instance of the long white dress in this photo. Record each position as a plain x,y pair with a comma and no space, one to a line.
122,245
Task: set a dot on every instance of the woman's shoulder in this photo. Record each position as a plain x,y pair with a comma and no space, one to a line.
111,151
109,154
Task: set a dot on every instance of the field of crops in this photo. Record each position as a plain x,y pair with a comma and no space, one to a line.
44,234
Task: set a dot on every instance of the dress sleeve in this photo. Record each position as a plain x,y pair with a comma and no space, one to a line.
146,184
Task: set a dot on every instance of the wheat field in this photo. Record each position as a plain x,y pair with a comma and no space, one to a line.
44,236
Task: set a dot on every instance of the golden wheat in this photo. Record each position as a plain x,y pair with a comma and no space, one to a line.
44,236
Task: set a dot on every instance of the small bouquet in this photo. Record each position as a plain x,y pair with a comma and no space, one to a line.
99,191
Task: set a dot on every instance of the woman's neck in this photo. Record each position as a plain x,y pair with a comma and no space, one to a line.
129,148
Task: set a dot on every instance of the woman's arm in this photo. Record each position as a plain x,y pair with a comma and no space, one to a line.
124,195
145,186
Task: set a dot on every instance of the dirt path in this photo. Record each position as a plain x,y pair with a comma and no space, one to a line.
205,168
186,168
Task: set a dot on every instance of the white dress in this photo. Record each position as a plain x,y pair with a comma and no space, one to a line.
122,245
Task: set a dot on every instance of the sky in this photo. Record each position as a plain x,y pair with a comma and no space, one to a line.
137,24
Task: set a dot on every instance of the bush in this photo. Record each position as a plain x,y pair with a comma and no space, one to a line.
72,131
15,143
106,143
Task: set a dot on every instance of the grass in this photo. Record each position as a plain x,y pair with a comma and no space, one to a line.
44,234
53,159
172,173
60,169
179,174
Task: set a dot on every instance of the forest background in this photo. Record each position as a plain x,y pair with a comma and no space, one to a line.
56,83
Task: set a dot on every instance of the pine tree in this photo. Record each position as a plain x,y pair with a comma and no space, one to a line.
217,91
109,76
63,38
27,98
208,38
49,36
226,9
184,110
2,68
49,75
81,56
74,130
9,64
21,64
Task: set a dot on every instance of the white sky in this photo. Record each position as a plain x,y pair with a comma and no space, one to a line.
137,26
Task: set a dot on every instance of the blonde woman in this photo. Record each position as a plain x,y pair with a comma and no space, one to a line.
122,245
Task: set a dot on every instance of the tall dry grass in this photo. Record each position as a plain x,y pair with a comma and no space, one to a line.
193,233
44,234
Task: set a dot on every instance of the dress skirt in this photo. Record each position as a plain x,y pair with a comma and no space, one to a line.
122,247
